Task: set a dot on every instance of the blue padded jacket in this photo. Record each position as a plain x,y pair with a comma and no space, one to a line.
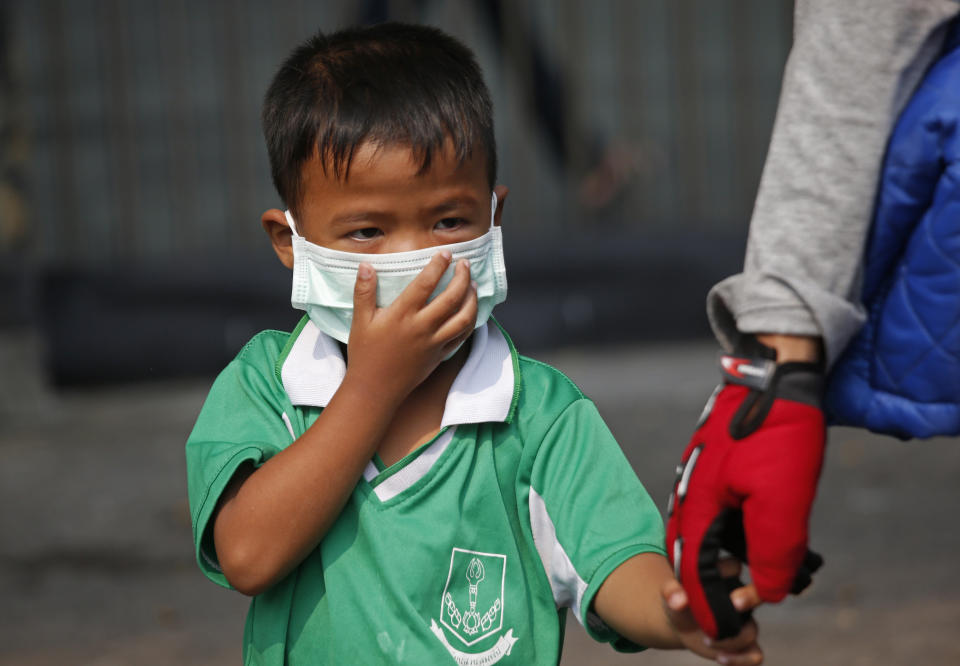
901,374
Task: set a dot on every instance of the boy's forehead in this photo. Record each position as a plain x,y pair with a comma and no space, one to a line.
399,158
376,165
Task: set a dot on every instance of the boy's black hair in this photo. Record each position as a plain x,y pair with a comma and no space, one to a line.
389,83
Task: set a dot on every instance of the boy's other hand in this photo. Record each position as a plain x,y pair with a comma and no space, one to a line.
393,349
739,650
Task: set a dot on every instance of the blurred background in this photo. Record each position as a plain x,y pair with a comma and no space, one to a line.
133,267
134,170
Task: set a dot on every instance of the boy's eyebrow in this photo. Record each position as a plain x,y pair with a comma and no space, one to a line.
357,216
446,206
454,203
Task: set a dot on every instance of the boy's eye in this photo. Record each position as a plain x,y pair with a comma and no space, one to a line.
367,233
450,223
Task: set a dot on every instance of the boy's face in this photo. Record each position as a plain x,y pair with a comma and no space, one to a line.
385,205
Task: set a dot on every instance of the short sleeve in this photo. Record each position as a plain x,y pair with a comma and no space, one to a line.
589,513
242,420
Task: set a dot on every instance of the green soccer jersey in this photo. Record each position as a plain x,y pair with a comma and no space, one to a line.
468,550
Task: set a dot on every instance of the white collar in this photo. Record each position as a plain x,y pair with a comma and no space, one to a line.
482,391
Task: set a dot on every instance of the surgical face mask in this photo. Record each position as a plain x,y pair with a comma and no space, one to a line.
323,279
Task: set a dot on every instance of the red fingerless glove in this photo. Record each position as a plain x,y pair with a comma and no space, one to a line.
746,486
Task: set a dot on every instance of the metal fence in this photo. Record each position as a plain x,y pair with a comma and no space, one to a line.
142,116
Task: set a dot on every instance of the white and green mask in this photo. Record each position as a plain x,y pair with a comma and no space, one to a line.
323,279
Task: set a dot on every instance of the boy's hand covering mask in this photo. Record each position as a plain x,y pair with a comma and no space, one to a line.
323,279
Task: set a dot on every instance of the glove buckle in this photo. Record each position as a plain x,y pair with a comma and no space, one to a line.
752,372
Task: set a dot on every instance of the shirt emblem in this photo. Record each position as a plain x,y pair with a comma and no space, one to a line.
472,606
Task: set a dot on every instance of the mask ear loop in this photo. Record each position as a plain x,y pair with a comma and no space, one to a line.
293,225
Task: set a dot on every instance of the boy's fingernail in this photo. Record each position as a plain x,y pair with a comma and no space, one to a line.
723,659
446,254
676,600
739,603
473,283
708,641
466,263
364,271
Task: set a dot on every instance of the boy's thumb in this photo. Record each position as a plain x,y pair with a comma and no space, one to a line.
365,292
677,606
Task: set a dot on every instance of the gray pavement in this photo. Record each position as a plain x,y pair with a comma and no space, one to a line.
96,555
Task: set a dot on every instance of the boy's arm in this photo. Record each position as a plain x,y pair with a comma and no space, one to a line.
642,601
269,519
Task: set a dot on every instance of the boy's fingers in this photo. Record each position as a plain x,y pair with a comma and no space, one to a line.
452,299
729,567
739,643
463,320
745,598
418,291
741,650
365,293
751,657
674,595
677,605
457,341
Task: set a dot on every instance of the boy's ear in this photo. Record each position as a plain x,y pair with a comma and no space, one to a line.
501,191
275,224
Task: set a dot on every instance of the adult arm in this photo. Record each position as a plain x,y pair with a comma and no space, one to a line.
853,66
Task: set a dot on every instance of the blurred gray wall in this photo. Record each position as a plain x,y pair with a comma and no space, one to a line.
140,161
143,115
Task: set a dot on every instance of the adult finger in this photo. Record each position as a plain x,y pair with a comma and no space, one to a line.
697,546
776,512
419,290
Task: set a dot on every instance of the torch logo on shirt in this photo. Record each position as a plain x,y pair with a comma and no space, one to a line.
471,607
472,604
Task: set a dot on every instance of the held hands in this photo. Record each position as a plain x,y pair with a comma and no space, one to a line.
739,650
746,486
393,349
642,602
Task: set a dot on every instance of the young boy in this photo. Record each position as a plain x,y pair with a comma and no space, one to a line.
392,482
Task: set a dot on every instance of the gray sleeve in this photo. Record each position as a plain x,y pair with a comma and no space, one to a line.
852,68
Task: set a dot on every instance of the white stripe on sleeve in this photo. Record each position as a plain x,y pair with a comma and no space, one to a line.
568,588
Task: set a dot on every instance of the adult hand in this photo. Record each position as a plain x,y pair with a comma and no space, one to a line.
746,486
